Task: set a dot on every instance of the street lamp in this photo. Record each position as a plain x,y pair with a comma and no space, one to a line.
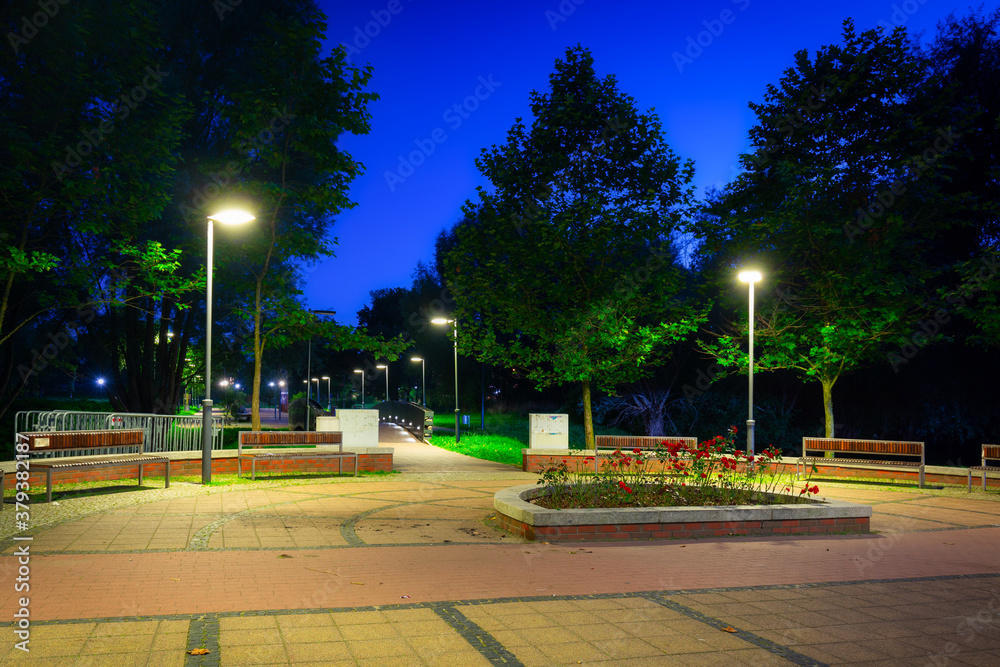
362,387
441,320
309,369
386,367
750,277
329,397
423,379
228,217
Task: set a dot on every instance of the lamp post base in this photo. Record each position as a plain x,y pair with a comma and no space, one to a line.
206,441
458,431
750,424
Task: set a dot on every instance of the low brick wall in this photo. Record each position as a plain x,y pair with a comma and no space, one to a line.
538,460
517,515
660,531
374,459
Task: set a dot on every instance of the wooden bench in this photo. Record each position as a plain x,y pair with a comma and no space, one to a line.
865,452
89,442
300,439
991,453
631,442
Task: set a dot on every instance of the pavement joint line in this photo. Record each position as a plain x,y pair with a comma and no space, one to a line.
749,637
504,600
480,639
347,527
203,632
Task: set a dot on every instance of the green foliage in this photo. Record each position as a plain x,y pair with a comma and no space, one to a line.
562,269
839,206
496,448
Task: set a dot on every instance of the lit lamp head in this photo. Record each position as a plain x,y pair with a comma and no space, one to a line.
381,366
441,320
232,216
362,372
750,276
416,358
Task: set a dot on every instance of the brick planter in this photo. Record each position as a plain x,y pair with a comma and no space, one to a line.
518,516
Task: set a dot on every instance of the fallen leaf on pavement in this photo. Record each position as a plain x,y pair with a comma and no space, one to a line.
199,651
729,628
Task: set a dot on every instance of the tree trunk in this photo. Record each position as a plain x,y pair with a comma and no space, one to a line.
588,418
828,405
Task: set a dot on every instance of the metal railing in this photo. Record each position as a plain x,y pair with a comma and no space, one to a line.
416,419
163,433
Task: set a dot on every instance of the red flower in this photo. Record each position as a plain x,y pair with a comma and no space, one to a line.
815,489
637,451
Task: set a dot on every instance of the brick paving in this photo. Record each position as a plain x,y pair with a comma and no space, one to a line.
410,569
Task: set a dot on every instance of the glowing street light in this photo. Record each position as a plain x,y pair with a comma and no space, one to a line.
329,397
227,217
362,387
750,277
386,368
423,379
441,320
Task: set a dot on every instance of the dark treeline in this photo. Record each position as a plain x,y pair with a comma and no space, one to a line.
589,278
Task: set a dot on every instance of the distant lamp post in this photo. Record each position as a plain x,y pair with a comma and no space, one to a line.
386,368
329,398
423,379
100,382
228,217
441,320
750,277
362,387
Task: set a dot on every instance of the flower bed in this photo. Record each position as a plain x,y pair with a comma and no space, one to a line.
519,516
713,472
675,490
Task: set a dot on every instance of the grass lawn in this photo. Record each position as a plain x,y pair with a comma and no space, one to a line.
488,447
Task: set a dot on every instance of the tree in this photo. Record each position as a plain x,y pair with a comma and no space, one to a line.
297,173
88,138
840,205
563,270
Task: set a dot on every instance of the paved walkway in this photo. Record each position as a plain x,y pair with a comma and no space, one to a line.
408,569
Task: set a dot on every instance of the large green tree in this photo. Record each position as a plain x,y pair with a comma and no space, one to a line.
88,140
562,269
840,206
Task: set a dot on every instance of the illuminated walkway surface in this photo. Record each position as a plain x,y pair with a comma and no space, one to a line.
407,569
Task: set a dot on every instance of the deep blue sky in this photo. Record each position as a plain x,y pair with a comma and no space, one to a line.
429,56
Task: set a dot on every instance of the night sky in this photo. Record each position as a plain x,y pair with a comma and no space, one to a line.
454,76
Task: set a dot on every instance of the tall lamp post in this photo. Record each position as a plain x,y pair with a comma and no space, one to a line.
228,217
750,277
423,379
441,320
362,387
329,395
385,367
